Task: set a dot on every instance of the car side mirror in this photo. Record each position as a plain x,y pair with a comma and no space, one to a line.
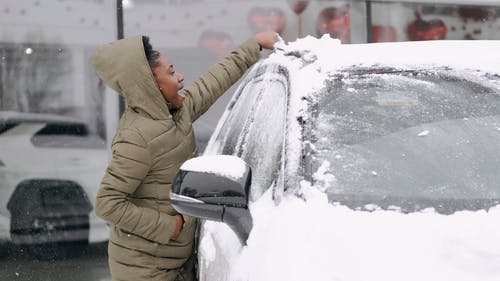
215,187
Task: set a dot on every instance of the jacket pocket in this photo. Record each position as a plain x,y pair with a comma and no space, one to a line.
187,234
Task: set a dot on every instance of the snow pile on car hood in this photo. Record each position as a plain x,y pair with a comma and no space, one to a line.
310,239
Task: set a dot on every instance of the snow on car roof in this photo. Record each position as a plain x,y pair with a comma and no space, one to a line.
331,55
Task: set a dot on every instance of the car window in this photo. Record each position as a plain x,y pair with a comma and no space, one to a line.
370,105
239,111
411,135
262,138
67,136
6,126
254,129
64,129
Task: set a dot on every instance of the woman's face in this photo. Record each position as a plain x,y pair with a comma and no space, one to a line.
169,81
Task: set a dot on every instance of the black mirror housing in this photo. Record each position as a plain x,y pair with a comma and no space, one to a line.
216,193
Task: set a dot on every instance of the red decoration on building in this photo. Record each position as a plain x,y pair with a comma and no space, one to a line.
474,13
298,6
267,19
335,21
217,43
383,34
426,30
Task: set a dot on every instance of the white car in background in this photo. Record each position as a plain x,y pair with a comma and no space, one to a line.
50,170
353,163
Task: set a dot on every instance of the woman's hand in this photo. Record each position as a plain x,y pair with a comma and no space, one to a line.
267,39
179,223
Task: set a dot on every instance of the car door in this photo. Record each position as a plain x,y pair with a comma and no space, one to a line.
253,128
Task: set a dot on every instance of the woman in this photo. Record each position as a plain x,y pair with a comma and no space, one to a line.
149,240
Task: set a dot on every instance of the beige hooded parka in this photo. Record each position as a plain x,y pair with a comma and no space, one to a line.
150,145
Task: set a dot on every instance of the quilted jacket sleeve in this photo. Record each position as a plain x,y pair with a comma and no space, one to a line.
220,77
130,163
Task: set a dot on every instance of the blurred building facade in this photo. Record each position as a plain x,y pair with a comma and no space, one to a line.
45,46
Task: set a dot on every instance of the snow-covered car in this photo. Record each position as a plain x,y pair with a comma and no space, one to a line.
50,169
354,162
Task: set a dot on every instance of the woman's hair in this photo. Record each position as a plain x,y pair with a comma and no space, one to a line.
151,55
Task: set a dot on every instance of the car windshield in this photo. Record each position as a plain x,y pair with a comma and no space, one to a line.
409,139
